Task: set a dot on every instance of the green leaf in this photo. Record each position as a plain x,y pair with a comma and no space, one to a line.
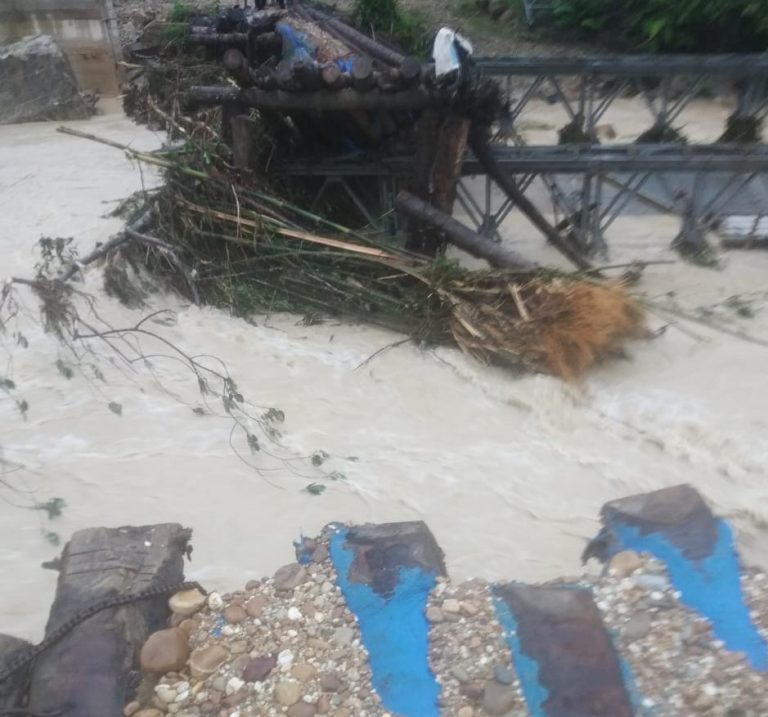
116,408
64,369
336,475
7,384
23,407
274,414
253,443
53,507
319,457
315,488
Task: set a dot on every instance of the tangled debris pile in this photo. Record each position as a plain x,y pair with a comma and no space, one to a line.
230,230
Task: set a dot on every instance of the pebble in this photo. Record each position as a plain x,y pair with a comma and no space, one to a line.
434,614
149,712
165,651
503,675
624,563
204,661
639,625
303,671
498,699
330,682
233,685
187,602
451,606
289,577
460,674
343,635
302,709
652,582
465,712
255,606
285,659
235,614
215,602
259,668
131,708
165,693
287,692
294,614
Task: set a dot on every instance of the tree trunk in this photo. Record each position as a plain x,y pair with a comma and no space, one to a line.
479,145
497,255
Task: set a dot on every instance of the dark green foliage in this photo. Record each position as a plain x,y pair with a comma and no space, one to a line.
405,27
664,26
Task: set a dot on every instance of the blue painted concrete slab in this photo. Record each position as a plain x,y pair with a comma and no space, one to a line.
563,654
676,526
386,573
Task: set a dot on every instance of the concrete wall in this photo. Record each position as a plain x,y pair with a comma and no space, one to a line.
86,30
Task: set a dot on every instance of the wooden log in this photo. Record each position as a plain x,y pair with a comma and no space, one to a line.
232,39
497,255
307,76
86,672
420,239
410,71
449,161
348,34
206,96
333,78
321,101
479,145
243,142
237,66
13,690
363,77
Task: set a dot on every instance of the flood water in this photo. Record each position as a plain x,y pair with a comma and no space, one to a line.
508,471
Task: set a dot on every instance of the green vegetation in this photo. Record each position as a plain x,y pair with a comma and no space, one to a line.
663,26
407,28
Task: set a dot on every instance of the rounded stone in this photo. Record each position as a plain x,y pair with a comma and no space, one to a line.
255,606
215,602
465,711
289,577
498,699
204,661
330,682
434,614
149,712
235,614
451,605
287,692
165,651
165,693
302,709
303,671
187,602
258,668
131,708
639,625
624,563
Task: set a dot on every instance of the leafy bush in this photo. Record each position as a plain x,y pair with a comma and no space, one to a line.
407,28
671,26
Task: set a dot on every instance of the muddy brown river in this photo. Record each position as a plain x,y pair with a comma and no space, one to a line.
509,471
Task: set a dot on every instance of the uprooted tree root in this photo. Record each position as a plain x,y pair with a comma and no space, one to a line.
555,325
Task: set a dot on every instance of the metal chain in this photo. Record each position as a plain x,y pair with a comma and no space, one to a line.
30,655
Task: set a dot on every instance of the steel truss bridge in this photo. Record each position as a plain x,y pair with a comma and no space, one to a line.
587,185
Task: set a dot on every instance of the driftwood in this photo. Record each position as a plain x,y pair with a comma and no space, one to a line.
479,146
351,36
13,689
86,672
231,39
455,232
347,100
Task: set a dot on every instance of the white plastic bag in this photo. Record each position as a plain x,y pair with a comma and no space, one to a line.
444,51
